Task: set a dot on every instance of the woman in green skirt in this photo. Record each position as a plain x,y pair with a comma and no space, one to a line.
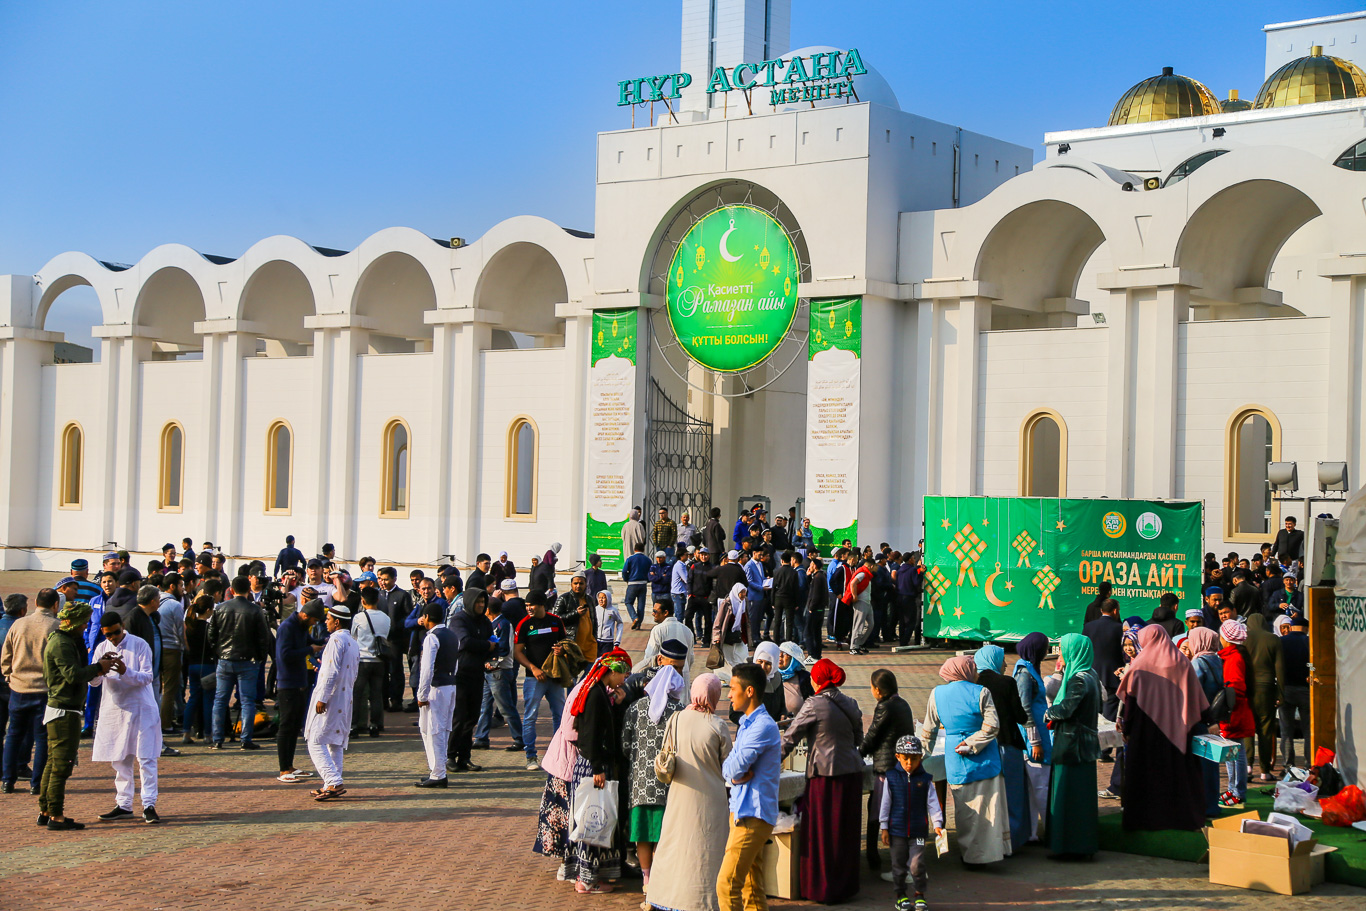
643,734
1072,816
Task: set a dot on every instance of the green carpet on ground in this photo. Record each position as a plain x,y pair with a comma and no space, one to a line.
1345,865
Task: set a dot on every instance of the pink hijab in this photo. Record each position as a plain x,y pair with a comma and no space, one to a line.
1163,684
705,693
959,668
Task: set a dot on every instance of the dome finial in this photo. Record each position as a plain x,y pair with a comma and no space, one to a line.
1168,71
1316,51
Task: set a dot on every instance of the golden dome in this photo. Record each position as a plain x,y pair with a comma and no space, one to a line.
1233,104
1164,97
1310,79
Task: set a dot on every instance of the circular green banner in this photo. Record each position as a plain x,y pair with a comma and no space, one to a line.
733,288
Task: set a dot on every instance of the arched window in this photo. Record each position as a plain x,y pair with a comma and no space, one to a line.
1253,439
522,469
1191,165
1043,455
396,455
1354,159
73,467
279,467
171,483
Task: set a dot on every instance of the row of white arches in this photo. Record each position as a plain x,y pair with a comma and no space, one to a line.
521,472
1252,439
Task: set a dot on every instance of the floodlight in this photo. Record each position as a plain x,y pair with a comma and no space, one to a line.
1283,476
1332,476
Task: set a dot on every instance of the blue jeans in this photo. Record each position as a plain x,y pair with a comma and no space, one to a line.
245,675
1237,774
500,688
532,691
635,599
25,732
199,708
680,606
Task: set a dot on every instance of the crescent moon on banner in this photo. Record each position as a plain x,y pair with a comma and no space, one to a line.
725,254
991,596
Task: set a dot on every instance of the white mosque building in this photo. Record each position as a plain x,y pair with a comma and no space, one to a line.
1156,309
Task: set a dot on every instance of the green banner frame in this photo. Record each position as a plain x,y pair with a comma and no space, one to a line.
999,568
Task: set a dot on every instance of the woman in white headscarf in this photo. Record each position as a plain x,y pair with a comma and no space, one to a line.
642,736
796,678
731,628
767,656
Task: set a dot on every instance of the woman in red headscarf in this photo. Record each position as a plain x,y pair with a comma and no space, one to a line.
831,809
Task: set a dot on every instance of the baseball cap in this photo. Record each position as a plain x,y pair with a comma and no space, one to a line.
367,577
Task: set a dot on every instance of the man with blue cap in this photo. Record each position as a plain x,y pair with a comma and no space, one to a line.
86,590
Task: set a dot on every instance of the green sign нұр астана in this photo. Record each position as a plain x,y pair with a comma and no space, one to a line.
733,288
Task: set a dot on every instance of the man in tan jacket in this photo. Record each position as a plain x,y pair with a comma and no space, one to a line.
21,663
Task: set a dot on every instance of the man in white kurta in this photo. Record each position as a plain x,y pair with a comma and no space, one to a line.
328,729
129,728
435,698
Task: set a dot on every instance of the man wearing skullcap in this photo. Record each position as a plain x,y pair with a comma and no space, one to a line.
328,729
669,627
130,726
66,675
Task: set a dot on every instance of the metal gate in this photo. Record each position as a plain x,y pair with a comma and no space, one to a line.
677,461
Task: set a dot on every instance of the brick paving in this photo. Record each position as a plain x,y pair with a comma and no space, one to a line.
234,838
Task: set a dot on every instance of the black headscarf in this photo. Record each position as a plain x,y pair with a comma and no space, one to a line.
1033,648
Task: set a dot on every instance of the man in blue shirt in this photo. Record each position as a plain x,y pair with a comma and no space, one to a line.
290,557
292,649
678,582
752,771
636,574
754,598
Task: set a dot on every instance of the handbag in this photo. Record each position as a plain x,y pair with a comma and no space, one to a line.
667,757
714,657
1221,709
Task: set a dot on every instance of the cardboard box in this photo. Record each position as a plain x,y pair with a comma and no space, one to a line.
1214,747
1260,861
779,863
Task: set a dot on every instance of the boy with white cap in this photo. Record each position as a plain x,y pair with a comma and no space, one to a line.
328,729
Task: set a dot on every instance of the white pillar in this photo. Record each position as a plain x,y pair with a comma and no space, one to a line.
1346,395
226,343
22,355
124,348
578,343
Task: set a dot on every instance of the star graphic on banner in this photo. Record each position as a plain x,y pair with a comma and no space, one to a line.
946,523
986,522
1039,552
958,611
1061,525
1010,586
775,270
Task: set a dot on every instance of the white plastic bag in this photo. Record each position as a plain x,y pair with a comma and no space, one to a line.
595,813
1291,798
786,823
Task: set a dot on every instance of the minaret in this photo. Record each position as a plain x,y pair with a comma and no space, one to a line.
726,33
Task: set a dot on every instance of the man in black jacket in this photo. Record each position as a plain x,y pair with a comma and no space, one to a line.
786,588
892,720
398,604
714,535
728,575
1289,544
473,633
1246,597
239,638
1107,649
697,617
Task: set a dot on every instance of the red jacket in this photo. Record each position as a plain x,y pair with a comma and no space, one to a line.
859,581
1242,723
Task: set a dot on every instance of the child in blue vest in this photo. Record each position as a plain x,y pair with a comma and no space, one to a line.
910,805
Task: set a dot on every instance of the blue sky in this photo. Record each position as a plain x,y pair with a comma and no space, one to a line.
132,124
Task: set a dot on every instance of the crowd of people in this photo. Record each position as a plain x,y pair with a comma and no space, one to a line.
189,652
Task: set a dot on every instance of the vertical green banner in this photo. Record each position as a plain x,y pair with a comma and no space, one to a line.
611,440
999,568
833,382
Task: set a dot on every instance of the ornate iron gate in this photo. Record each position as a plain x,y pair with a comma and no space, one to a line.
677,460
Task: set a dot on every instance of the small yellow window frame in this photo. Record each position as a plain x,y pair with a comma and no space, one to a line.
71,482
1027,428
387,510
510,473
1232,458
271,472
164,490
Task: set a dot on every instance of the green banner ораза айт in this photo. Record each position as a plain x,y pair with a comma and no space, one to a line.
999,568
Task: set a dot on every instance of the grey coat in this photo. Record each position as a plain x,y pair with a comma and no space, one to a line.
833,725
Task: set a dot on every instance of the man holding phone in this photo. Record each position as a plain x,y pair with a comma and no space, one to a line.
130,725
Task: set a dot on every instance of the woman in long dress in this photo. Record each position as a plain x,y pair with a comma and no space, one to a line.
642,736
1010,714
1073,823
1160,703
831,808
1029,683
575,752
972,761
692,842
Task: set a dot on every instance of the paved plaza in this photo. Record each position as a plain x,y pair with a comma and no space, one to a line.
234,838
